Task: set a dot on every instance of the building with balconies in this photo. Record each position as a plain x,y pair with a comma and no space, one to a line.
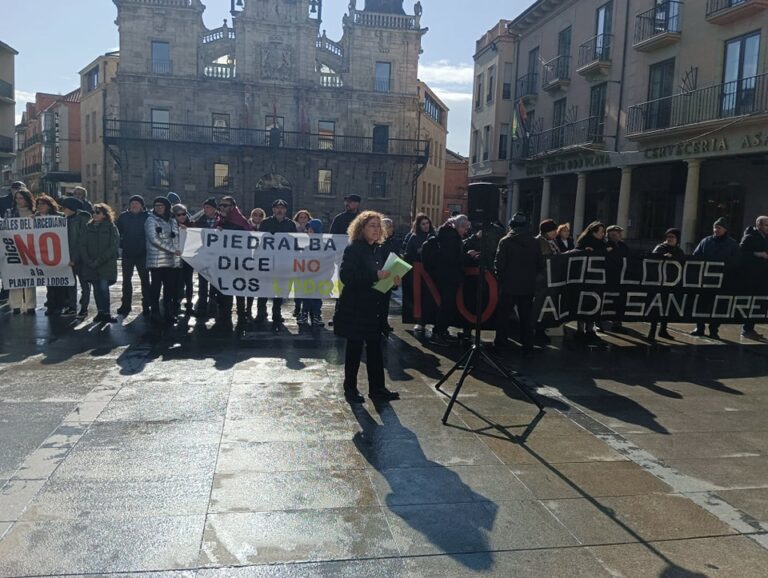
493,100
268,106
7,104
48,143
657,118
430,185
99,99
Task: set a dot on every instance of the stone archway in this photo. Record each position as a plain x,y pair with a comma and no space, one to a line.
270,187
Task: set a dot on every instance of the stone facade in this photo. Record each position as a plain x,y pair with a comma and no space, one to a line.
268,107
7,104
434,130
99,170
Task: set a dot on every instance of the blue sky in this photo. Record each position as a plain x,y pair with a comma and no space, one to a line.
57,38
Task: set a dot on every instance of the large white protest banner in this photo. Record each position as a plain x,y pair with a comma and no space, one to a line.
248,264
35,253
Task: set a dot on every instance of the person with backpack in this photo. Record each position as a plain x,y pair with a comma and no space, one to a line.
443,258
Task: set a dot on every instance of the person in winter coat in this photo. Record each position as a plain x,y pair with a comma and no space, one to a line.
277,223
421,231
518,263
341,222
230,218
390,246
207,296
310,310
358,316
449,273
163,260
592,241
301,218
77,219
98,254
133,242
257,217
483,252
669,249
546,238
564,240
754,250
22,300
717,247
185,280
56,297
81,194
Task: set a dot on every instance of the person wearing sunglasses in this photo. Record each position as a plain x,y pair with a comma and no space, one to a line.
185,280
163,260
98,253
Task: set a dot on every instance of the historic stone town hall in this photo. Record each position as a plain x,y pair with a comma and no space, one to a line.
267,106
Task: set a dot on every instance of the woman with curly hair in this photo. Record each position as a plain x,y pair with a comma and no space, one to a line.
98,250
22,300
359,311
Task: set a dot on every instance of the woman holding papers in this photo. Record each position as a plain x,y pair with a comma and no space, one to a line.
359,311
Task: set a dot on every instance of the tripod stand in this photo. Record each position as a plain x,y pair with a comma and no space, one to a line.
477,352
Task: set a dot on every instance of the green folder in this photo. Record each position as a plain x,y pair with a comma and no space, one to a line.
397,267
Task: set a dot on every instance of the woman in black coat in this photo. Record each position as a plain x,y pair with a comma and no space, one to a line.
592,240
669,249
359,310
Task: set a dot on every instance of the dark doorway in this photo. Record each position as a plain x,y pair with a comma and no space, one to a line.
269,188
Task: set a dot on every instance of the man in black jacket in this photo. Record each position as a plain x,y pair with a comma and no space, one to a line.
133,242
449,272
207,296
754,248
277,223
342,221
518,263
6,204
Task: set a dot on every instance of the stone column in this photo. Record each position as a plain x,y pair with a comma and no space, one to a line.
691,204
581,200
546,193
622,216
514,200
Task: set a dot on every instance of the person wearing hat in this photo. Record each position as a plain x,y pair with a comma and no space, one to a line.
230,218
173,198
277,223
754,250
669,249
518,263
163,260
546,238
342,221
207,296
133,243
719,246
77,221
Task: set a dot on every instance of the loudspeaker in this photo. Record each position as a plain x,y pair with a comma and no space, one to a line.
483,200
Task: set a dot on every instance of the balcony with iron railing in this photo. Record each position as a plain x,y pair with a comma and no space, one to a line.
32,169
745,97
527,86
220,71
658,27
120,130
382,85
6,144
557,72
588,131
160,66
33,140
595,55
6,90
727,11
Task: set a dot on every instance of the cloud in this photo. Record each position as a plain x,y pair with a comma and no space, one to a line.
443,72
452,96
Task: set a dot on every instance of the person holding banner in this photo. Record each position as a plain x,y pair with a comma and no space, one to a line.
98,254
56,297
310,310
207,296
563,239
23,208
230,218
342,221
358,316
257,217
592,240
277,223
185,281
448,272
717,247
754,248
163,260
669,249
77,219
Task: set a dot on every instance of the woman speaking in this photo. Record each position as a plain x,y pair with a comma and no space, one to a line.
359,312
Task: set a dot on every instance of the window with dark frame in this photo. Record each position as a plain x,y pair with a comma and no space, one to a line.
221,175
220,124
383,77
740,70
161,119
486,142
479,91
325,182
380,139
92,79
379,184
491,84
326,135
161,173
161,57
503,142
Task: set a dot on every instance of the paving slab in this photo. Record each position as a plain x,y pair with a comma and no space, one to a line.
281,456
753,501
382,568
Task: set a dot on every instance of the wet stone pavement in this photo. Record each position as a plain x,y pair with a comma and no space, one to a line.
191,452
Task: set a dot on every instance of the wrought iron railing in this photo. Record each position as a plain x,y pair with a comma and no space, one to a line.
715,6
32,169
663,18
160,66
586,131
596,49
6,89
527,85
382,85
33,140
720,101
559,68
115,129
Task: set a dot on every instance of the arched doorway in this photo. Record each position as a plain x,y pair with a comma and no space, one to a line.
270,187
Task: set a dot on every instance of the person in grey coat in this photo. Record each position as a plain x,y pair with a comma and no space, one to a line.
163,259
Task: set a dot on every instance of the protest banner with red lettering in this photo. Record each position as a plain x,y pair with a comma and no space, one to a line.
35,253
